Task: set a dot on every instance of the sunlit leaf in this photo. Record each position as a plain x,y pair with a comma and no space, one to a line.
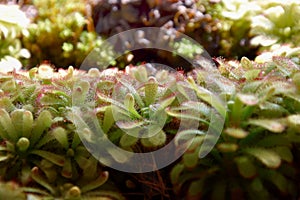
248,99
236,132
269,124
268,157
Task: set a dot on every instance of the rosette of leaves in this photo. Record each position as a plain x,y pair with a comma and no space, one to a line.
140,110
62,33
132,102
40,148
276,24
12,22
255,156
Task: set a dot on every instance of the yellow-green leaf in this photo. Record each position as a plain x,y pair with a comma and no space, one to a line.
269,124
236,132
268,157
245,167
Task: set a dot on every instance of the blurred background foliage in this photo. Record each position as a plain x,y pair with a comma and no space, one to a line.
64,32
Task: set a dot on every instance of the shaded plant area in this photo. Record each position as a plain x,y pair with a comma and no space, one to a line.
64,32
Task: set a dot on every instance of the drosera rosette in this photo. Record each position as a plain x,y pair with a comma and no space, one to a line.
255,154
143,109
40,148
131,102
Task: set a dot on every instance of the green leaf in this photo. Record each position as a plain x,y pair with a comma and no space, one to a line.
246,63
273,140
294,121
7,125
227,147
272,109
108,120
190,160
52,157
27,123
258,189
128,140
296,80
96,183
76,140
198,107
4,157
150,90
268,157
181,115
130,124
285,153
44,140
285,65
252,74
50,99
196,189
188,134
82,161
208,97
17,118
175,173
42,123
245,166
277,179
6,103
133,92
67,169
269,124
157,140
61,136
120,158
140,73
166,102
3,134
80,92
248,99
9,85
236,132
129,103
23,122
40,179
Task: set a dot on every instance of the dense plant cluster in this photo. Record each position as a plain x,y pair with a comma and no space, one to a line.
62,32
256,154
251,26
47,115
40,149
255,157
